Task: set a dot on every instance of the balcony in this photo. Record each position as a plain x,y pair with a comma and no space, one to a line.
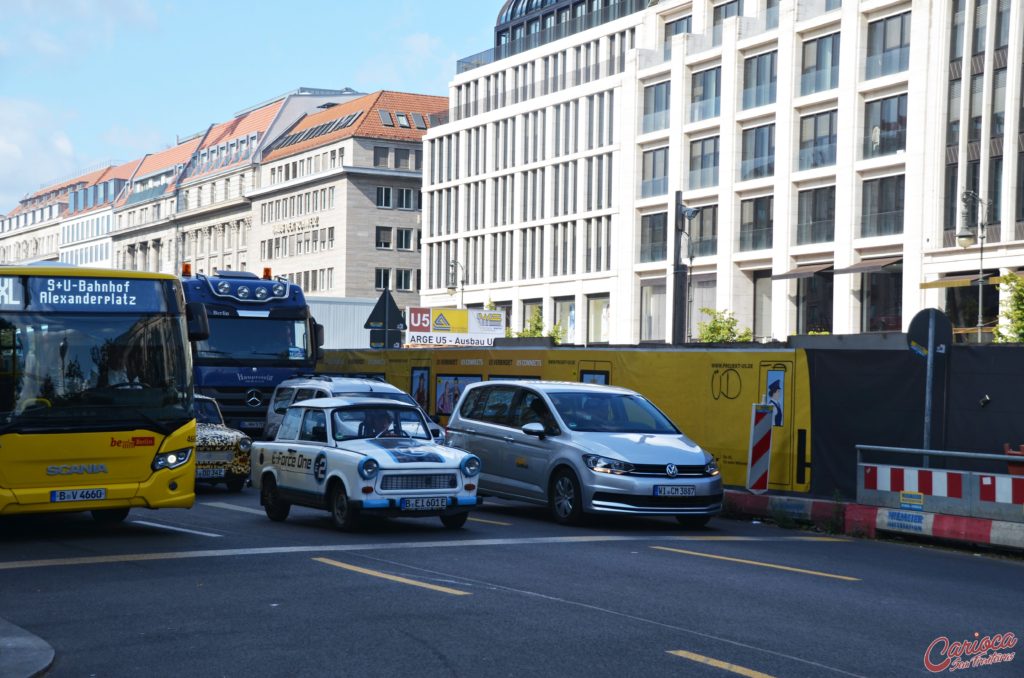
820,155
811,232
147,194
702,110
654,187
887,63
811,9
881,142
652,122
653,251
756,168
705,247
759,95
819,81
703,178
881,223
752,239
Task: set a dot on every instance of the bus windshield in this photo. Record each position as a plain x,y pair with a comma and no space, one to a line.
93,372
241,340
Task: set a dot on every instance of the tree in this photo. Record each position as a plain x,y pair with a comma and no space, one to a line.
721,328
534,327
1012,307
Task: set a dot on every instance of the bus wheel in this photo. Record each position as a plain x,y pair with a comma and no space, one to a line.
110,516
277,509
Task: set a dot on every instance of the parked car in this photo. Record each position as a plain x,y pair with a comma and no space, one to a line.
307,386
222,453
362,456
584,448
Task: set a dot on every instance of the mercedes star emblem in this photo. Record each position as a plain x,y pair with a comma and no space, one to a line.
253,398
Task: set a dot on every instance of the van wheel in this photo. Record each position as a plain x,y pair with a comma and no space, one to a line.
277,509
693,522
455,520
110,516
343,514
565,499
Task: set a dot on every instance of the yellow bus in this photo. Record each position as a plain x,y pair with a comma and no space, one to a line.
96,391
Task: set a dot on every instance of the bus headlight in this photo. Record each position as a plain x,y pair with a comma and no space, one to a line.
172,459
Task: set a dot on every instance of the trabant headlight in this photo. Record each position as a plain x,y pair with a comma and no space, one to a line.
601,464
172,459
710,465
245,444
470,465
368,468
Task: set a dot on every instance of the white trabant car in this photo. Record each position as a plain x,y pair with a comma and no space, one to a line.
362,456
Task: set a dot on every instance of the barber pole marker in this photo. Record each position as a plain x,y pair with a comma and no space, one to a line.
760,450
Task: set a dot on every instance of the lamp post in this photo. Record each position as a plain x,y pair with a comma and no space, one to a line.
681,286
456,283
971,233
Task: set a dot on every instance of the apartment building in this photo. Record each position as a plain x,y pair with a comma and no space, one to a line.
622,164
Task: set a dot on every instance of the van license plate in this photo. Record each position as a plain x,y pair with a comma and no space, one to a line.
78,495
675,490
424,503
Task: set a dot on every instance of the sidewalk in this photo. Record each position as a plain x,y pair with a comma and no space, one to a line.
868,521
22,655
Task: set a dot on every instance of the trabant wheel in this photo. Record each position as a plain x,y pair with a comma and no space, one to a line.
343,514
110,516
277,509
565,499
455,520
235,483
693,522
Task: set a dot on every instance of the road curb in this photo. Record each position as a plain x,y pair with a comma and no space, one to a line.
22,654
868,521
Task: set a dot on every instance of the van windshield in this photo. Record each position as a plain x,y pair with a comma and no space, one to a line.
610,413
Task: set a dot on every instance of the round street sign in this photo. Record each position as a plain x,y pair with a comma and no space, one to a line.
917,333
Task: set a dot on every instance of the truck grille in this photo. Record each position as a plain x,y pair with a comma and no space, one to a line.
418,481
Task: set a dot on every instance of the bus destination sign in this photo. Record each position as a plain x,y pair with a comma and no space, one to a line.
98,295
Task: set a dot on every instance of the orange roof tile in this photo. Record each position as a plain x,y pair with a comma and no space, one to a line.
368,124
243,125
168,158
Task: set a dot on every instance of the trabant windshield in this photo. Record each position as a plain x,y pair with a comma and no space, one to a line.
350,423
610,413
207,412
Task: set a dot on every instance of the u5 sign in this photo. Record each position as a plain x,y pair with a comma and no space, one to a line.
454,326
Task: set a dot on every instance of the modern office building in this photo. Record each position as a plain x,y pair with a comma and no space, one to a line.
816,144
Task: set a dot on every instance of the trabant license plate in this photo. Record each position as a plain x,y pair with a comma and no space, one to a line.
209,473
91,494
675,490
424,503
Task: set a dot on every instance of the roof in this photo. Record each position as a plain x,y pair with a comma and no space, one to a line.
555,386
368,122
168,158
89,179
256,121
345,401
352,383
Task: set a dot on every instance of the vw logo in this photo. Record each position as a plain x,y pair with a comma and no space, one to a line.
253,398
671,470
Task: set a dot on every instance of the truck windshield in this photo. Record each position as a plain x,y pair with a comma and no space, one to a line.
255,341
98,371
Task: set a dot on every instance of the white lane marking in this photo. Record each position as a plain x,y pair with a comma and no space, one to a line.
234,507
338,548
175,529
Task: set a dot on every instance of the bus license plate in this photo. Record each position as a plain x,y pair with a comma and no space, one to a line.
78,495
675,490
209,473
424,503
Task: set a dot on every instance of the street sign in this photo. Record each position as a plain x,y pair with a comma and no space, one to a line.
917,333
385,314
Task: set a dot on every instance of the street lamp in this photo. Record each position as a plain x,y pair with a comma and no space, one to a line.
681,286
974,233
456,283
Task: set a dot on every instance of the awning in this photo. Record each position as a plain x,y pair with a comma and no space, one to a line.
870,265
805,271
954,281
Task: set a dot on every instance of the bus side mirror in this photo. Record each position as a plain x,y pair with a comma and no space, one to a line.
198,322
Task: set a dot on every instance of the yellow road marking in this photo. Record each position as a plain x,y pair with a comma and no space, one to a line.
491,522
391,577
758,563
725,666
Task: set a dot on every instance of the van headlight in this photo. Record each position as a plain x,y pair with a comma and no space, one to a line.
172,459
710,465
245,444
601,464
470,465
368,468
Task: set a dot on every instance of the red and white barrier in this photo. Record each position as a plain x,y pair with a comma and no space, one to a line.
1002,489
928,482
760,450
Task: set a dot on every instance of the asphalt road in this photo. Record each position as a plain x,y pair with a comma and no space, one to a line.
221,591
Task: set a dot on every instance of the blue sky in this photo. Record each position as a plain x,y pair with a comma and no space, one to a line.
87,82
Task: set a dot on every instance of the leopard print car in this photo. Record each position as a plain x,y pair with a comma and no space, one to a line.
222,453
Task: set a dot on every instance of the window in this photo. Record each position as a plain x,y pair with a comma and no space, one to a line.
653,237
821,65
956,34
703,232
762,304
758,152
385,118
816,215
655,173
656,102
403,119
759,80
652,310
818,140
382,278
404,241
683,25
885,126
381,156
814,304
402,158
383,196
953,125
704,163
980,25
888,46
881,302
720,14
882,212
403,280
405,199
705,94
756,223
565,317
598,319
998,102
383,237
1002,33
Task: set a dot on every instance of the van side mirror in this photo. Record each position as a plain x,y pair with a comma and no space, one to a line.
197,320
